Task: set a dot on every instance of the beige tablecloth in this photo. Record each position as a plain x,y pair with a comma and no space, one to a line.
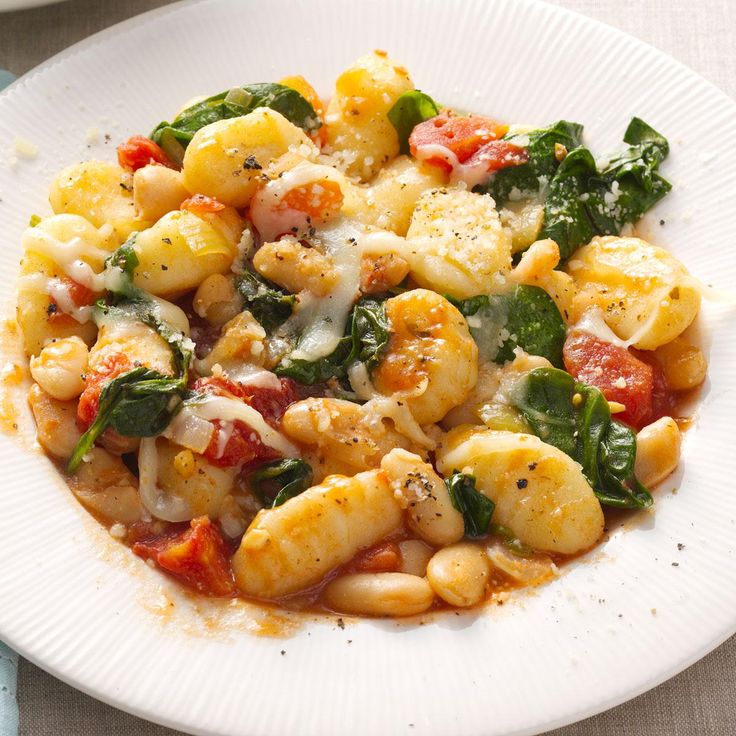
699,702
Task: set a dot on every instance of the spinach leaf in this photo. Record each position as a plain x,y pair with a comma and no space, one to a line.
269,304
584,201
530,180
366,339
278,481
174,137
475,507
527,317
408,111
142,401
135,404
576,419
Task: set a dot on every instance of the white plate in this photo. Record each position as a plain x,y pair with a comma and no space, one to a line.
87,611
7,5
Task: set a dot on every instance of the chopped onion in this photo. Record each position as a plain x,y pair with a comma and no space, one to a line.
190,430
238,96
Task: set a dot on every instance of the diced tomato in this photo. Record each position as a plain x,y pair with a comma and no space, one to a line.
244,445
197,556
79,294
472,139
140,151
112,366
202,204
663,399
310,95
319,200
620,375
384,557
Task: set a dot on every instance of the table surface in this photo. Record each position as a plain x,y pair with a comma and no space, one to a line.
698,702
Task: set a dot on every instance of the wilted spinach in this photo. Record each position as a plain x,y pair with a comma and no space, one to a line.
367,336
576,419
526,317
584,201
475,507
408,111
531,179
174,137
269,304
140,402
276,482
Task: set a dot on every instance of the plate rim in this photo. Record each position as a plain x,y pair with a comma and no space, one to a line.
602,706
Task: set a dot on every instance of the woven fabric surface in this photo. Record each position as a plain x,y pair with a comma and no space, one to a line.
700,701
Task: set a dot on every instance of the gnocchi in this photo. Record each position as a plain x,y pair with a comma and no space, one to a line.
356,356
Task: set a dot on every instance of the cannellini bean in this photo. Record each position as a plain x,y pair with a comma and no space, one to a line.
106,487
540,492
156,191
429,508
216,299
684,365
459,574
293,546
415,555
59,368
56,423
379,594
295,267
657,450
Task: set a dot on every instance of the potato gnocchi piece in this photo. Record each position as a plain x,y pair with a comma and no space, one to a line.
359,133
56,423
179,252
424,494
107,488
390,199
188,476
102,193
295,267
50,250
293,546
457,245
540,493
225,159
241,342
646,294
341,436
432,360
683,364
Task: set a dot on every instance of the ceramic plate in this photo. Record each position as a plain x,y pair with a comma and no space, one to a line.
630,615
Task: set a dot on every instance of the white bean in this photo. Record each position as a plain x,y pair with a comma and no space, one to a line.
459,574
415,555
56,423
379,594
59,368
657,450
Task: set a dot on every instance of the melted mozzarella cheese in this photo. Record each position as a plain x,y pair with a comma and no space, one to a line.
470,174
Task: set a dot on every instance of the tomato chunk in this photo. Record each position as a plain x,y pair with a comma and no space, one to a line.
111,366
238,443
197,556
384,557
139,151
319,200
471,140
202,204
620,375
